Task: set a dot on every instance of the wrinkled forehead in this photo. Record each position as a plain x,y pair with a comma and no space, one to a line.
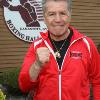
46,2
56,5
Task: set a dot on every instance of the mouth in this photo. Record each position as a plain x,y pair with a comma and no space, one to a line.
59,26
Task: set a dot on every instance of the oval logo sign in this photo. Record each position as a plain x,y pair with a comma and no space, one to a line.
24,18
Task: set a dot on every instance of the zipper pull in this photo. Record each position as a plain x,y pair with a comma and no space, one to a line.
59,71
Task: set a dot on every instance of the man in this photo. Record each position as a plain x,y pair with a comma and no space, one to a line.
26,11
61,63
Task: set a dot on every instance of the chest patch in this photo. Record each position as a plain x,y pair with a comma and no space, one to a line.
76,54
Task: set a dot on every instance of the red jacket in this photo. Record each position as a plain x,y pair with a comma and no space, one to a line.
81,65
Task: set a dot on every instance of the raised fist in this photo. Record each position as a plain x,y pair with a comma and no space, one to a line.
43,55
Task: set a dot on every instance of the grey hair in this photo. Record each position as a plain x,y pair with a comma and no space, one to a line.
69,2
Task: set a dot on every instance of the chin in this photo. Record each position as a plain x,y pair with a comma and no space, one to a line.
58,35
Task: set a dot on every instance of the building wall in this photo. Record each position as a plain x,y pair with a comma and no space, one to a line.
85,18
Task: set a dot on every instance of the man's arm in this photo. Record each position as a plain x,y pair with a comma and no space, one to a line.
33,63
42,57
24,80
95,71
34,70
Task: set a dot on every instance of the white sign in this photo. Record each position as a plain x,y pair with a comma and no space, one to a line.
24,18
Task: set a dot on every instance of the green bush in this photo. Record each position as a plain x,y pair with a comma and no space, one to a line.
2,96
9,79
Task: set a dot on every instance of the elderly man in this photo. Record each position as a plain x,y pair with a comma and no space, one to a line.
62,62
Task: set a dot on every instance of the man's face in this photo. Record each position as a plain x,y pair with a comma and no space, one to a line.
57,17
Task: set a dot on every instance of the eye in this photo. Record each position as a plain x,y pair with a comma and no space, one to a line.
63,13
51,14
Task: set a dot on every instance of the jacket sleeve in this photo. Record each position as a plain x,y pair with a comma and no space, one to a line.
25,83
94,69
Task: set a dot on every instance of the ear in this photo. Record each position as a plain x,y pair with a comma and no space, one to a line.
69,19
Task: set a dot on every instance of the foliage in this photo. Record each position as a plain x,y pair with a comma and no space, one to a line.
9,80
2,96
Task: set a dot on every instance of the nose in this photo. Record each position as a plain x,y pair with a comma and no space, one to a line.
58,18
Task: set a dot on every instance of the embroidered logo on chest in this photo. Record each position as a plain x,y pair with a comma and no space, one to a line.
76,54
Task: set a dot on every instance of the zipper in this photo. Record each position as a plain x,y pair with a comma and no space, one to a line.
60,70
59,84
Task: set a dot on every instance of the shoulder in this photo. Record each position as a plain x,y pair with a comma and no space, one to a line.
90,41
92,47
